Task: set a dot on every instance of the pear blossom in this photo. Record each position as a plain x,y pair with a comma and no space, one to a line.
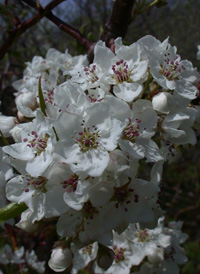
33,262
61,258
7,255
147,242
172,73
78,166
6,124
124,70
87,139
177,126
35,147
82,256
136,137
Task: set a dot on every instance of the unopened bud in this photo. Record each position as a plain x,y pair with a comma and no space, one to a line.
105,257
26,224
60,259
161,3
6,124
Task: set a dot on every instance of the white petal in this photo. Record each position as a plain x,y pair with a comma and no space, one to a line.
128,91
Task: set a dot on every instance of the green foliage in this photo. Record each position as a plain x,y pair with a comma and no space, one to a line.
41,97
11,211
193,252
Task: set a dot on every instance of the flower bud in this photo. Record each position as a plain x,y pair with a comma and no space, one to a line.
26,224
60,259
6,124
27,100
105,257
161,102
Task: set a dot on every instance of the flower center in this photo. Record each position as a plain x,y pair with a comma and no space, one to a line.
121,72
49,96
171,69
170,254
119,254
71,183
88,138
38,183
122,196
131,130
90,73
142,236
87,249
89,210
36,143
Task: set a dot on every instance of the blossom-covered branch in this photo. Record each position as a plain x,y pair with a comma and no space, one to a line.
22,27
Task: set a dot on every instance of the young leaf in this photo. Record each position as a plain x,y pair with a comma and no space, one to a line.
4,139
11,210
41,97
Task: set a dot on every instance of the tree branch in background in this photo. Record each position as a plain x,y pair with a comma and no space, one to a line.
21,28
117,24
81,39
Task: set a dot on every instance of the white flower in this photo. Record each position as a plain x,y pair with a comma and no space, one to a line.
136,136
146,242
36,146
122,256
172,73
177,126
125,71
26,104
85,140
69,97
61,258
32,261
8,256
27,224
67,186
38,194
82,256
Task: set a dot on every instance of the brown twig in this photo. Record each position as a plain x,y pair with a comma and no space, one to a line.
117,24
186,209
21,28
63,26
12,236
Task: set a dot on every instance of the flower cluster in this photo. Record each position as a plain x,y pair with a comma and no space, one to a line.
24,259
88,131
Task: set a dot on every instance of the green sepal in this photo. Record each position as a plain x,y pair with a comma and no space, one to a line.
4,139
41,97
159,3
11,211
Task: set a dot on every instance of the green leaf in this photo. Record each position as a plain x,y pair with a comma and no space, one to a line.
83,271
161,3
41,97
57,138
4,139
158,3
11,211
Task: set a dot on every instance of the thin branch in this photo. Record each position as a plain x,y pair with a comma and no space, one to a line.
117,24
81,39
21,28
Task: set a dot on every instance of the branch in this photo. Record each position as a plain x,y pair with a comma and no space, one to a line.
21,28
81,39
117,24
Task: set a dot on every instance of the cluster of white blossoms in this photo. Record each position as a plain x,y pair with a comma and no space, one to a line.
24,260
79,146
